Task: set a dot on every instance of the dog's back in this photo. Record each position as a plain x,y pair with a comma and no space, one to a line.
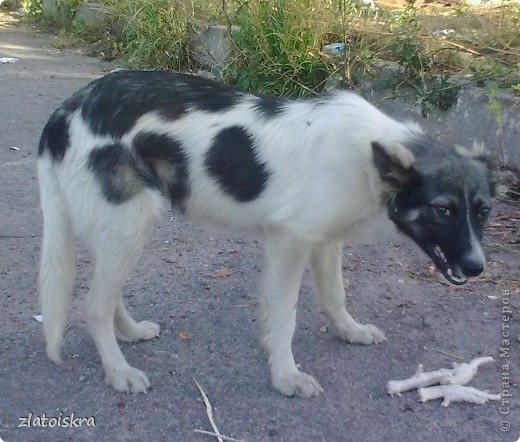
223,156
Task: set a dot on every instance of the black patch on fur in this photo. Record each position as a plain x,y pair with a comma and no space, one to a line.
55,136
269,106
165,156
119,173
425,146
159,146
233,162
115,102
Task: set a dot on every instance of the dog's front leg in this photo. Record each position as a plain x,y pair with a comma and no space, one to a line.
330,293
286,259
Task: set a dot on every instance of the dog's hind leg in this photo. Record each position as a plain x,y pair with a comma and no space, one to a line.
286,259
116,251
330,293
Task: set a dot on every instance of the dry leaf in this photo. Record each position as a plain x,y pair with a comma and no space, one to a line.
223,273
184,335
121,404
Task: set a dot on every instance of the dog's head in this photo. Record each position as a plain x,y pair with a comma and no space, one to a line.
439,196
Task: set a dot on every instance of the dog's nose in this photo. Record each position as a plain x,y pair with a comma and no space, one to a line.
472,267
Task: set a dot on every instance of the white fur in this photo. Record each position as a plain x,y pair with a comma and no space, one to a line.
322,187
475,252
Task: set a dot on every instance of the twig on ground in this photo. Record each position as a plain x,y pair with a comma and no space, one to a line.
210,433
209,412
445,353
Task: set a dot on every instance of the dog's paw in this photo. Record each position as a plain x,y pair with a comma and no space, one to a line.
128,379
297,384
143,331
363,334
148,330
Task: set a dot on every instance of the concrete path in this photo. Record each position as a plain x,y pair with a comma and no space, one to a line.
200,287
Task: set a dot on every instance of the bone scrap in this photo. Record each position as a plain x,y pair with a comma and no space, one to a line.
448,384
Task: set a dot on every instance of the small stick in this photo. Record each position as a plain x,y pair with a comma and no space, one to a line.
160,249
210,433
209,412
445,353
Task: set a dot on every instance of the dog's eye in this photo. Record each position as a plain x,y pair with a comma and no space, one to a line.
443,212
483,211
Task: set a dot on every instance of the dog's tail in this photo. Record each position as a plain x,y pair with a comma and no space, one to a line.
57,263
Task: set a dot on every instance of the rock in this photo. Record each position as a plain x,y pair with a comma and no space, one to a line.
9,5
211,45
91,15
478,114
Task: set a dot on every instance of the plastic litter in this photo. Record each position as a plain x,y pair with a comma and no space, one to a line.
334,49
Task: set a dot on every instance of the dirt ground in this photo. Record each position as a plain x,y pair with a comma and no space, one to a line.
200,287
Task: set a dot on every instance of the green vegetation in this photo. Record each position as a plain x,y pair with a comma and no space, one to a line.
154,33
278,44
32,8
278,47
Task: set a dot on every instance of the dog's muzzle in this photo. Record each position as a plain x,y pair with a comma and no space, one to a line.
471,264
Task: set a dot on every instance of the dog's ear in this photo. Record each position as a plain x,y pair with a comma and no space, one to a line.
477,152
480,153
395,166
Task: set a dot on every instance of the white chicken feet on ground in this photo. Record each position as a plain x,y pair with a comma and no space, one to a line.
451,382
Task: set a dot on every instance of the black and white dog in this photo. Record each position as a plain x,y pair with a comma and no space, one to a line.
307,174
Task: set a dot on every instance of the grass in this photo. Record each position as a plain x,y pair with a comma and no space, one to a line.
277,48
153,33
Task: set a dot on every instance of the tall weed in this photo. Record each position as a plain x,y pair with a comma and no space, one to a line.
278,47
153,33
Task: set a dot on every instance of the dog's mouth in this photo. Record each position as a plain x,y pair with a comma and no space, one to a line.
452,273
